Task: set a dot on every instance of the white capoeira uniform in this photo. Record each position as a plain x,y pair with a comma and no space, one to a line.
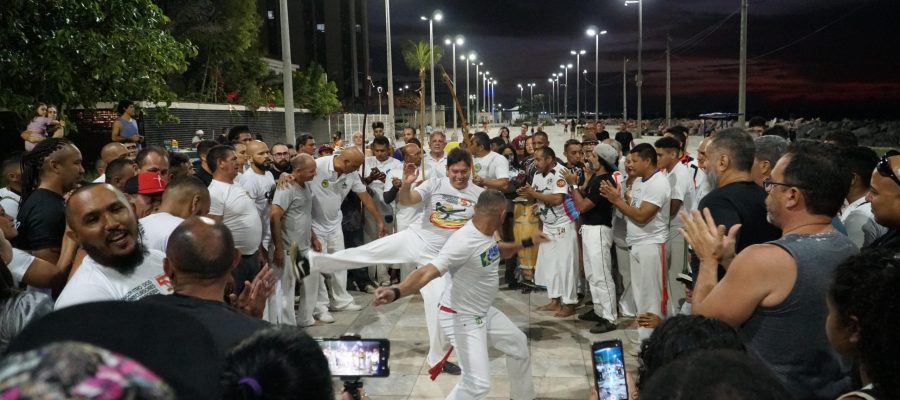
682,188
471,323
648,248
446,209
557,260
376,189
405,216
329,189
296,226
623,252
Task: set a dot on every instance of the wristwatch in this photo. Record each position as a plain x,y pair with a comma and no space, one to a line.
575,186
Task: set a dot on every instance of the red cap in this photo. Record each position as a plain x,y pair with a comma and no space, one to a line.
146,183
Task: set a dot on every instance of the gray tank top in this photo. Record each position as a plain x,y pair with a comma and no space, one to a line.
790,337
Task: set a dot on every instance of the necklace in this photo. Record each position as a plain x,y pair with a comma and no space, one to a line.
796,228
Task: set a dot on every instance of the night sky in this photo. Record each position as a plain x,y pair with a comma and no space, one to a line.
848,66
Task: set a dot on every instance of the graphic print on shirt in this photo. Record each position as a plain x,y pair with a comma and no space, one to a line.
161,284
489,256
450,212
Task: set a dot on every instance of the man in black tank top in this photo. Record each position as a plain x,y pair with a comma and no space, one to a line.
774,293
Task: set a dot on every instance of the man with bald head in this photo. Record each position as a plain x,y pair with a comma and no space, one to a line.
291,223
118,266
259,183
335,177
109,152
183,198
199,261
118,172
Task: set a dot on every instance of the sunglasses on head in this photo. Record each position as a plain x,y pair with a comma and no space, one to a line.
884,166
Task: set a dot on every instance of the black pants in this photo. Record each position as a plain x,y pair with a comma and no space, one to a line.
246,270
357,277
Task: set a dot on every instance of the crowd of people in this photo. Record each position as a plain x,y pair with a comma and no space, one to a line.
758,266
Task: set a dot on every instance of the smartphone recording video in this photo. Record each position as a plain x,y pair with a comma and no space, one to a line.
609,370
357,357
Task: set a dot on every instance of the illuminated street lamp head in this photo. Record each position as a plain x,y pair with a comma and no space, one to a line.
460,40
562,66
568,66
463,58
472,56
487,72
627,2
447,41
550,80
519,85
603,32
423,18
591,31
438,15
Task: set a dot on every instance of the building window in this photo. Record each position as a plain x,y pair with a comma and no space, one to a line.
320,27
270,14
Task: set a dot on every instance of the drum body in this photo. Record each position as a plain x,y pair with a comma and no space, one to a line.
525,223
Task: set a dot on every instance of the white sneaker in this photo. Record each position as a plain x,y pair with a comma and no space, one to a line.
325,317
349,307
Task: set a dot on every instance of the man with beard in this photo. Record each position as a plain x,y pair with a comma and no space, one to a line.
231,204
773,292
49,171
259,183
735,198
281,159
117,266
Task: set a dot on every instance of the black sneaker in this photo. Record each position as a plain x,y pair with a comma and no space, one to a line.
591,316
604,326
452,368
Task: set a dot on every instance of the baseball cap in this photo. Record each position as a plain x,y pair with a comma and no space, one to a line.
145,183
589,137
324,147
607,155
199,132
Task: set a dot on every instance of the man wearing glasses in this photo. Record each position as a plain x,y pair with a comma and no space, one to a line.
281,160
773,292
884,194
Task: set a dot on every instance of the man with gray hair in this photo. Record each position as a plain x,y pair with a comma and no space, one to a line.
736,198
436,158
768,150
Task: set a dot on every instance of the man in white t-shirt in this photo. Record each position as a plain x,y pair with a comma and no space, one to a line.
647,216
683,197
335,177
405,215
184,197
291,223
436,158
259,183
375,175
491,169
117,265
108,153
448,204
11,195
557,261
471,258
232,205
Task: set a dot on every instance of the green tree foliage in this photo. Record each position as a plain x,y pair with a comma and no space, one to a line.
80,52
228,67
313,91
417,56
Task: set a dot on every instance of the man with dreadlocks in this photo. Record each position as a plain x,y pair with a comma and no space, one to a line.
49,171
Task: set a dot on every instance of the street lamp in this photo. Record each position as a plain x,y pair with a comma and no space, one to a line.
531,106
436,16
380,91
470,57
577,55
639,79
484,87
596,34
454,42
477,66
556,88
566,92
519,85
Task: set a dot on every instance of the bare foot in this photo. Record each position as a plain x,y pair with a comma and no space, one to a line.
567,310
551,306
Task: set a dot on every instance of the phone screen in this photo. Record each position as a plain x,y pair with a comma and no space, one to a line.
357,357
609,370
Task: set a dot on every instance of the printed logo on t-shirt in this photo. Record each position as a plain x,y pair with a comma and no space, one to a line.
477,167
325,183
159,285
450,212
561,183
489,256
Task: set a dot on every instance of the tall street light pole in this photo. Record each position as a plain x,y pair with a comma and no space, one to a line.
468,60
454,42
287,74
742,84
640,74
593,32
566,92
436,16
390,67
477,73
668,81
625,91
577,55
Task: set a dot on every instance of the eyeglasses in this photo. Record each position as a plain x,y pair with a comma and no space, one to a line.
768,184
282,154
884,166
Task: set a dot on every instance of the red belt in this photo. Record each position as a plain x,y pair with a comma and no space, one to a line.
446,309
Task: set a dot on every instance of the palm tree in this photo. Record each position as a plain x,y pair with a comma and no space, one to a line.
417,56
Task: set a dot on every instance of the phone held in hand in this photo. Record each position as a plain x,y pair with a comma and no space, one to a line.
609,370
354,357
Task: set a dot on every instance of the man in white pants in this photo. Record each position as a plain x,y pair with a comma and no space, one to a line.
471,257
406,215
648,226
335,177
449,203
683,197
597,236
291,223
557,262
378,167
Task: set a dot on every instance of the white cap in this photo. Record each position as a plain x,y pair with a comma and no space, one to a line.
199,132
